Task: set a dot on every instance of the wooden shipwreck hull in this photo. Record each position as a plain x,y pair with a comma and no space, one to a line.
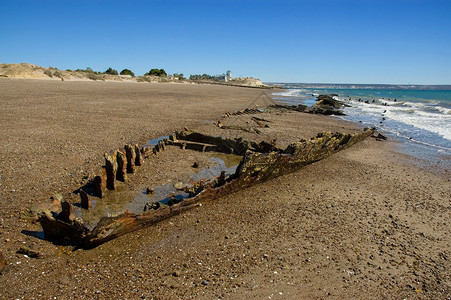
261,162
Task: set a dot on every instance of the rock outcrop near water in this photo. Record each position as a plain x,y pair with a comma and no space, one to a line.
326,105
326,100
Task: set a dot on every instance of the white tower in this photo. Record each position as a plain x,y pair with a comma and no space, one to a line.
228,75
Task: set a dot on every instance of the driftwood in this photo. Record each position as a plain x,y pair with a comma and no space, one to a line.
261,162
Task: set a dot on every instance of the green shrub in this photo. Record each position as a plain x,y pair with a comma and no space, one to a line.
200,77
142,79
94,76
58,74
157,72
127,72
111,71
48,73
87,70
179,76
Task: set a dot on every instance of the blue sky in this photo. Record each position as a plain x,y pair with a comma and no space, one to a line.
341,41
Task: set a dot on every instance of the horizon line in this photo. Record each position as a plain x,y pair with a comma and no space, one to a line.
361,84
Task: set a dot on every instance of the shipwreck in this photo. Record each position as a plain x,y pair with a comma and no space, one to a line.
260,162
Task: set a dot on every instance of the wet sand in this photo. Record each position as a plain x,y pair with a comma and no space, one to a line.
368,222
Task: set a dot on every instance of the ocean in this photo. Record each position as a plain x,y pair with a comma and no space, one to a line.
417,115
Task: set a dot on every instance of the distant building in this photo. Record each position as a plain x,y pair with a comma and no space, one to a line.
228,76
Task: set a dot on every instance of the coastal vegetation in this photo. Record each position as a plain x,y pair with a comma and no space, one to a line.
127,72
179,76
87,70
201,77
111,71
53,72
94,76
157,72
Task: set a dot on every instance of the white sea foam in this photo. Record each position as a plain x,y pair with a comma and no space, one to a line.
436,123
414,114
418,141
291,93
432,107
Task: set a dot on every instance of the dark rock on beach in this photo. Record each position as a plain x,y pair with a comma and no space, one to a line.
29,252
379,136
152,205
326,105
326,111
326,100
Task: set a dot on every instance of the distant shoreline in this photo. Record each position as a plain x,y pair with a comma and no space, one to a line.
362,86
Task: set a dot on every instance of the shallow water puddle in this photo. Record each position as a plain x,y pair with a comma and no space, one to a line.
230,160
161,194
225,162
113,202
118,200
154,142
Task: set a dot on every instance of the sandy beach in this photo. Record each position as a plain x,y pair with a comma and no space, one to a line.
366,223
